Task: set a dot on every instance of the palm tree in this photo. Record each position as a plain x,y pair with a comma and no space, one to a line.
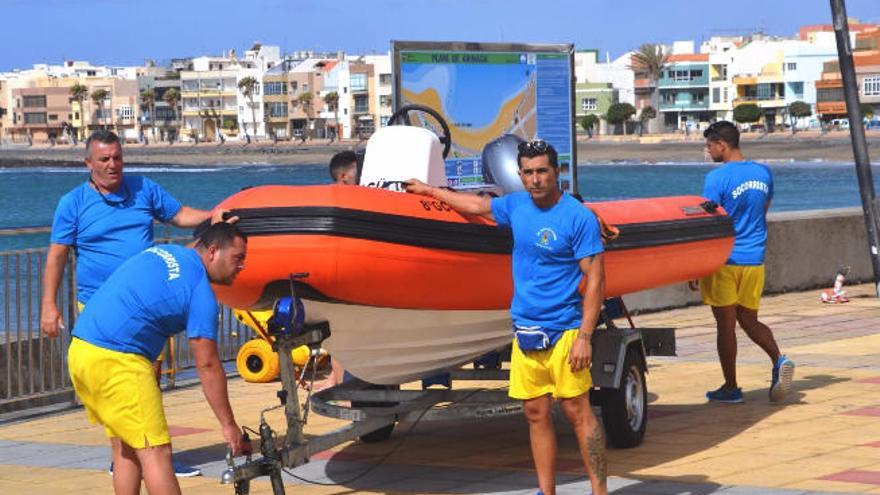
79,93
247,86
148,101
650,60
98,96
172,97
305,101
331,99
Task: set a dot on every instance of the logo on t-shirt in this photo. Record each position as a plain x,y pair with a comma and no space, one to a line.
755,185
545,237
170,262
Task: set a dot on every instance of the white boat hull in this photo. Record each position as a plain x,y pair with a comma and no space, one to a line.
390,346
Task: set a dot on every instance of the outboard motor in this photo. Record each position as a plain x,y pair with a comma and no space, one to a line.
500,166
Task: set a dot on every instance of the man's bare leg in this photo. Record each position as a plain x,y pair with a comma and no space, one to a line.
542,437
725,320
157,470
758,332
591,441
126,469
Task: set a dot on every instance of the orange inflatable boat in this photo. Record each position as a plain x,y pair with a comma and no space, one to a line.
411,286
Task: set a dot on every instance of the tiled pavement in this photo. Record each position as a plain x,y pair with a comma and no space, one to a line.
824,438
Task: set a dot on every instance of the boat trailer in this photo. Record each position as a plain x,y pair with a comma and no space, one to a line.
619,389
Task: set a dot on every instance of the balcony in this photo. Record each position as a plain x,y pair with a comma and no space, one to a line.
831,107
644,84
772,102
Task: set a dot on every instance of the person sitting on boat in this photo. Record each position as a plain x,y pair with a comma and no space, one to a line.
164,290
343,168
556,242
744,189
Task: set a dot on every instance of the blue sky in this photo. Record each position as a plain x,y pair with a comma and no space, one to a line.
125,32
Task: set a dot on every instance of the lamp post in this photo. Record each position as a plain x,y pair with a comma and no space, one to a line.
857,134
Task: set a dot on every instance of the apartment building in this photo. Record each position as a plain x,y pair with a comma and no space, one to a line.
383,96
866,59
683,88
162,120
307,115
276,104
209,94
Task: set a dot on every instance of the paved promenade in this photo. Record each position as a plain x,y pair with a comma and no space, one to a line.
824,438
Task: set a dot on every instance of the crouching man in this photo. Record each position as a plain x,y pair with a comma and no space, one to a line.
150,297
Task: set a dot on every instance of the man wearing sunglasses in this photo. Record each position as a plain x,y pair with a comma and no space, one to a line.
556,243
744,189
106,220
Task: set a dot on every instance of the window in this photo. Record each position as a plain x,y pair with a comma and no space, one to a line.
725,95
101,114
588,104
361,104
797,88
34,101
716,95
358,82
696,74
277,109
682,76
669,97
698,97
383,121
385,100
274,88
871,86
53,116
790,66
34,118
293,86
164,113
123,112
385,79
829,94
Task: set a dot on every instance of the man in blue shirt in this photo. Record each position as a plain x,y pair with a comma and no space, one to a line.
744,189
106,220
161,291
556,243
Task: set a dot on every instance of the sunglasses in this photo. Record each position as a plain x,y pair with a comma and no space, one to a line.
536,147
112,202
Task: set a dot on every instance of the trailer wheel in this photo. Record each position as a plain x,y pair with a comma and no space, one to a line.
383,433
625,409
257,362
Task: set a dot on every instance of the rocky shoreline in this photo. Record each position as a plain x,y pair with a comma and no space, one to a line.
650,149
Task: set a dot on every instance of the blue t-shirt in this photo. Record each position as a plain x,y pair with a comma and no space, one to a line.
548,245
743,189
155,294
104,235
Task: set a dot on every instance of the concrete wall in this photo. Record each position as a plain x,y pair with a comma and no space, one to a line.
804,249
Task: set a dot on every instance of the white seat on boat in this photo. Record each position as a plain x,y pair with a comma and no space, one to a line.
397,153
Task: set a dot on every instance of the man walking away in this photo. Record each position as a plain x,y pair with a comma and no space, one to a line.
744,189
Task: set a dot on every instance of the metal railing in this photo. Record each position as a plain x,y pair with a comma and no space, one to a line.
33,368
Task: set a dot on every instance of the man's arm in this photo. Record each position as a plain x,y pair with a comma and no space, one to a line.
50,316
213,379
470,204
593,267
188,218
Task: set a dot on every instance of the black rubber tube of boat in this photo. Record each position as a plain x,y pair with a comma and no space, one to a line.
435,234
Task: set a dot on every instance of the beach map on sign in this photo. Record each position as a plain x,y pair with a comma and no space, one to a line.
482,96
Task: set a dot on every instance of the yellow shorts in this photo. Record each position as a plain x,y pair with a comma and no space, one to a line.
79,309
120,392
537,373
734,284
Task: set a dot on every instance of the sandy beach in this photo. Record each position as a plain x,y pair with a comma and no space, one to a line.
777,147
